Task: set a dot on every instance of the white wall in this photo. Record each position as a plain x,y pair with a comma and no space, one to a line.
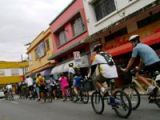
123,9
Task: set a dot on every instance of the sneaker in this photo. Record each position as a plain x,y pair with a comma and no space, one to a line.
150,89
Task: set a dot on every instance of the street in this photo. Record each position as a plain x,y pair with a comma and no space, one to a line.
59,110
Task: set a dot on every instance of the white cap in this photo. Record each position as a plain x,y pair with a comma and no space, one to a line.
133,37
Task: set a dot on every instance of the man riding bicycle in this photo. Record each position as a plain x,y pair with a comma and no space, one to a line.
104,68
147,55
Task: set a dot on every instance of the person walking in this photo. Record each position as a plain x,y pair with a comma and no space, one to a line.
64,85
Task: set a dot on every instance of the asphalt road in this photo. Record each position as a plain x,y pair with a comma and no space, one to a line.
59,110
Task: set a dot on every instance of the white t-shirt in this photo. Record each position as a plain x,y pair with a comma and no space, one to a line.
106,70
29,81
71,70
9,87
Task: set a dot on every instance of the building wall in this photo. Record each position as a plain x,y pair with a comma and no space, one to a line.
63,21
37,63
123,9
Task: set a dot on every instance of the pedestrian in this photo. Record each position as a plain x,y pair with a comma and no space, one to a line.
64,85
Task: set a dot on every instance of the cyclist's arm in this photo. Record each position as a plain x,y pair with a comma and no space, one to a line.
140,64
130,63
92,70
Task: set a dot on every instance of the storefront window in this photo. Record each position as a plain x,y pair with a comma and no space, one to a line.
15,72
2,73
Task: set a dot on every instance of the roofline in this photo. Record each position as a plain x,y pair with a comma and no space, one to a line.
62,11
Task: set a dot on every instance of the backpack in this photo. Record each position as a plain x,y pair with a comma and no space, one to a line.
108,58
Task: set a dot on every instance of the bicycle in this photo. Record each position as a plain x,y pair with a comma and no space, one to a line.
47,95
122,106
133,92
9,95
129,87
83,92
154,94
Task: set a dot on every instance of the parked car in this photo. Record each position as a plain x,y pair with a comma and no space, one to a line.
2,94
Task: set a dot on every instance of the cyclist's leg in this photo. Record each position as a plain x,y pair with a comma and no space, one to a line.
100,83
142,79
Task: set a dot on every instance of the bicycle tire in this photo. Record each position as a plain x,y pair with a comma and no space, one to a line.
50,98
134,96
95,99
124,103
157,101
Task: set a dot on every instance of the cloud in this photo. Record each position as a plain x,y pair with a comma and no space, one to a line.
22,21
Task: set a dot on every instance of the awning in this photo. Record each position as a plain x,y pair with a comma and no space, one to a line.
46,72
64,67
125,48
57,69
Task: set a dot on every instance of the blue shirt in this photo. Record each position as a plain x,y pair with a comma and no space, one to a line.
77,80
146,53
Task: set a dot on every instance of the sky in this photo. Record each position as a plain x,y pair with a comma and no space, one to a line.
21,21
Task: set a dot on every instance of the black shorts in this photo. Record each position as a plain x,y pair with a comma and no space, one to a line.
30,88
54,87
42,88
152,68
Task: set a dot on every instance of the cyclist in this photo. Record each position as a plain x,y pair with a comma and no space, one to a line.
71,74
29,82
9,90
104,68
40,81
147,56
77,83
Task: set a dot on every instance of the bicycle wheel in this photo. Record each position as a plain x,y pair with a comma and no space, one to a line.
123,106
133,95
49,97
97,102
85,97
157,101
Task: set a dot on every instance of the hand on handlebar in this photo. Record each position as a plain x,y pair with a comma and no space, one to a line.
124,69
137,68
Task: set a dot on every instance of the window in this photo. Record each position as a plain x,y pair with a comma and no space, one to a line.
103,8
148,20
78,26
15,72
62,38
40,50
47,45
2,73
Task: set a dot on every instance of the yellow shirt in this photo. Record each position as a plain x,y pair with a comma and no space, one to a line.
40,80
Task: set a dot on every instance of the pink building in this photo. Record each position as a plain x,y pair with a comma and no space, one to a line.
69,30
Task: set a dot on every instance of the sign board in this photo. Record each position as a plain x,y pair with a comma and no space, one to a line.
77,57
